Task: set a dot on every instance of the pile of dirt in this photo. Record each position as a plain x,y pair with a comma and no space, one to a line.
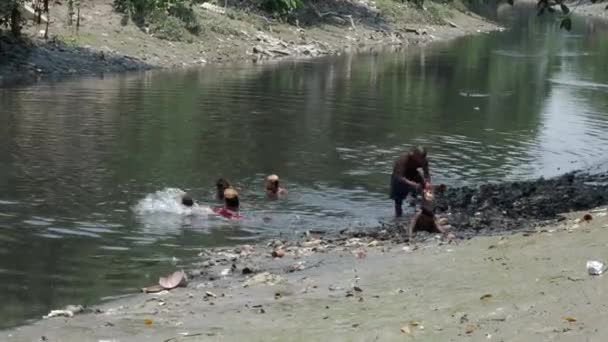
512,206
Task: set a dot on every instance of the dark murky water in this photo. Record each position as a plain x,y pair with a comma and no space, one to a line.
76,156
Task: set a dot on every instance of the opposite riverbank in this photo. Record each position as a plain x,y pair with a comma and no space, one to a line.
106,43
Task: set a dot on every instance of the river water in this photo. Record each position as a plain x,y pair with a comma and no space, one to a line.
77,156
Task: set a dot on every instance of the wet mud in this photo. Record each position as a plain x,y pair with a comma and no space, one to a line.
490,209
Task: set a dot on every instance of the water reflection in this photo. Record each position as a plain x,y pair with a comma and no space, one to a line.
75,156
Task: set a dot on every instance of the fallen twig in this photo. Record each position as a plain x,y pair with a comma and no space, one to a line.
183,335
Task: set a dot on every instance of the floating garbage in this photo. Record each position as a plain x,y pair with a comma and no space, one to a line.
595,267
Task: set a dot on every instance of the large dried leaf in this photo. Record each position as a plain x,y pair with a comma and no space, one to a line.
173,280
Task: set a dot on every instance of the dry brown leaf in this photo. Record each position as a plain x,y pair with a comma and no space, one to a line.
148,322
570,319
173,280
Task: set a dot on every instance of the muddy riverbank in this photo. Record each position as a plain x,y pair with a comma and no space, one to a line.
105,42
366,285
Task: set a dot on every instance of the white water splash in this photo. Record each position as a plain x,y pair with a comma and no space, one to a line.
168,200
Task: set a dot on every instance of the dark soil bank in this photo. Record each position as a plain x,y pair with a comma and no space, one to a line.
27,60
515,206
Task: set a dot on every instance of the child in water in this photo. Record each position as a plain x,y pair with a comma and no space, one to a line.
230,210
425,219
273,190
221,185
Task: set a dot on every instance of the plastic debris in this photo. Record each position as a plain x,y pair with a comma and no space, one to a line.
148,322
263,278
406,330
312,243
228,256
359,253
210,294
569,319
152,289
69,311
173,280
246,250
469,329
278,253
485,296
595,267
225,272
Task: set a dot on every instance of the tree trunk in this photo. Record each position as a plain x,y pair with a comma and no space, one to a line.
16,20
78,18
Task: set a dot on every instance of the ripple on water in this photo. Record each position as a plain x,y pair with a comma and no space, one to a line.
76,232
114,248
38,223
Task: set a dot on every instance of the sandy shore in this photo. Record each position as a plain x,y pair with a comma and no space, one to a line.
530,286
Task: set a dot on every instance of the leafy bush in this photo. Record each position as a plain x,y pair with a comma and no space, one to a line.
167,27
282,7
10,16
170,19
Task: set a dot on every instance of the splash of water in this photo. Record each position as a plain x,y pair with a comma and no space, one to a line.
168,200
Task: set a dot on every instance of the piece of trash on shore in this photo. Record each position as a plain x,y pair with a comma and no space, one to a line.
312,243
153,289
485,296
278,253
246,250
587,217
569,319
595,267
173,280
406,249
69,311
225,272
263,278
359,253
406,330
469,329
210,294
148,322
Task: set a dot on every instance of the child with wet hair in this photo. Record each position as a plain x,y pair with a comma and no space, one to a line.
221,185
187,200
273,190
425,219
230,210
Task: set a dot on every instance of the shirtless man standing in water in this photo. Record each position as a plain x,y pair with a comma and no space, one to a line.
406,178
